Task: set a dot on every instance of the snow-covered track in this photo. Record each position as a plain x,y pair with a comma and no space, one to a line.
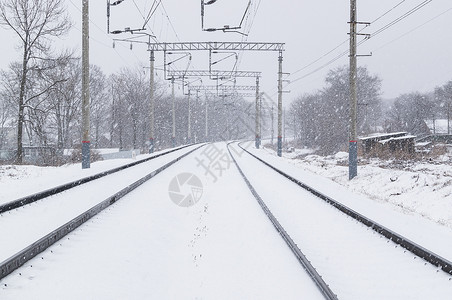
431,257
20,258
312,272
64,187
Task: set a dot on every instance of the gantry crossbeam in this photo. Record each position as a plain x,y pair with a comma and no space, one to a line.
213,73
215,46
223,88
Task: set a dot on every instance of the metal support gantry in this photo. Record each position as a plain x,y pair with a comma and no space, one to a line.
218,46
226,88
212,74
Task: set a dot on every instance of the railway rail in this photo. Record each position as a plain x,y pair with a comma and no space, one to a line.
418,250
64,187
18,259
307,266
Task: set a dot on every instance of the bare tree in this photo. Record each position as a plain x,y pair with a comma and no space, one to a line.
99,104
65,102
8,86
443,95
409,113
322,119
35,22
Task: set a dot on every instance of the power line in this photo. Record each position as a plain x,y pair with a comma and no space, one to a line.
152,11
338,46
247,32
397,5
384,28
254,17
416,28
320,58
405,15
169,20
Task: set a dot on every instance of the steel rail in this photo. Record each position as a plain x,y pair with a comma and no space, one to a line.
305,263
431,257
61,188
19,259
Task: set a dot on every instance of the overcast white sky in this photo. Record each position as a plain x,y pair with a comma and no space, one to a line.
417,61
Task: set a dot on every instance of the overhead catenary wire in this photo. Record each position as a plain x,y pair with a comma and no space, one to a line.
248,31
146,21
152,11
169,20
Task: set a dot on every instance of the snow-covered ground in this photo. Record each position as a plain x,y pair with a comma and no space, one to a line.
18,181
146,247
224,247
413,187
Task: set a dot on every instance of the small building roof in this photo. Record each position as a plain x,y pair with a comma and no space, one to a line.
406,137
383,136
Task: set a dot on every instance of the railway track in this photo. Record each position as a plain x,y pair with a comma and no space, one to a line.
343,257
307,266
336,247
418,250
37,245
61,188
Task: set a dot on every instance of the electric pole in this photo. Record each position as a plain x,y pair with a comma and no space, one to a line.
273,129
152,92
257,114
280,108
260,119
173,137
353,143
207,119
85,86
189,118
196,116
284,124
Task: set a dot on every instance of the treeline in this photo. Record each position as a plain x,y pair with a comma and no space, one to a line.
119,109
321,120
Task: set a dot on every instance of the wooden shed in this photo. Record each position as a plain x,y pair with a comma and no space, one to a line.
388,144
